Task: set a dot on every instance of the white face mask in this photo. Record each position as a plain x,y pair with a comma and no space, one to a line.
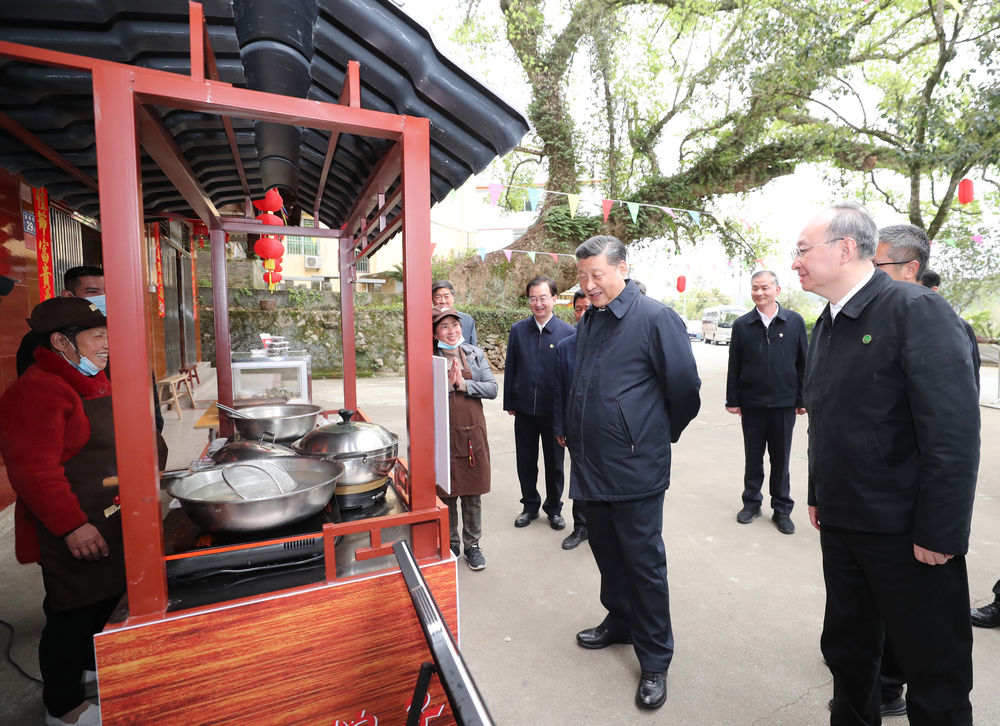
445,346
85,366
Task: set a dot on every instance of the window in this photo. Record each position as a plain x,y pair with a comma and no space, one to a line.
302,245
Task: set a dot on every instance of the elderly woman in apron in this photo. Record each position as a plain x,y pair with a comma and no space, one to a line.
57,441
470,380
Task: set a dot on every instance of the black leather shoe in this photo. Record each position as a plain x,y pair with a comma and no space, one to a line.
891,708
988,616
652,691
525,518
747,515
573,540
783,522
556,521
599,637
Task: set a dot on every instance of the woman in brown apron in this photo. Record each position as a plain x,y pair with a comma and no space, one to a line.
470,380
57,441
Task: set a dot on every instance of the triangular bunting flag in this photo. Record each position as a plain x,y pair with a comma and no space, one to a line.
745,223
633,209
695,216
507,254
950,243
574,201
606,205
669,211
978,239
494,192
481,251
534,195
433,245
531,256
554,256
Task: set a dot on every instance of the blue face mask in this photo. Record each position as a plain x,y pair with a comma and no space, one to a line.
445,346
85,366
100,301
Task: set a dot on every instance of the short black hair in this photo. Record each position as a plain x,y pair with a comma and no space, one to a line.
907,242
438,284
930,278
75,273
540,280
602,244
578,295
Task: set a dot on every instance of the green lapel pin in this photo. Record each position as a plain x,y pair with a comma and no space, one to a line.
866,339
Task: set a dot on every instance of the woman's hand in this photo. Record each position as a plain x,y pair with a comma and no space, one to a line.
86,543
455,376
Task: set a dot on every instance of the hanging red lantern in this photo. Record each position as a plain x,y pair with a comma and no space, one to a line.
681,283
268,218
272,278
277,266
271,202
268,248
965,191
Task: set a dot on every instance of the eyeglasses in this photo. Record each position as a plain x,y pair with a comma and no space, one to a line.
799,252
542,300
883,264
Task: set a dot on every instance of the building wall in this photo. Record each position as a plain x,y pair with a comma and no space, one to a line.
16,306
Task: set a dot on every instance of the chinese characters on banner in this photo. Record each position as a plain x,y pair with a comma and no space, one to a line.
43,237
161,302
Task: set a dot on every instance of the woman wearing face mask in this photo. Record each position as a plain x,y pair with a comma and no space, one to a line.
57,440
469,381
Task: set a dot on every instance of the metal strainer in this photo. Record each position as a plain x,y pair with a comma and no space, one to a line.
257,479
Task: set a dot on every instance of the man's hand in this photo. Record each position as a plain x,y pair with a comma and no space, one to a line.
561,440
800,411
86,543
510,413
734,409
928,557
814,516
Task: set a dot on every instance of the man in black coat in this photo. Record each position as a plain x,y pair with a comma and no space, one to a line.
634,390
893,459
767,360
529,380
443,293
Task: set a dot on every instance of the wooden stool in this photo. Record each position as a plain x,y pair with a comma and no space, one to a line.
170,384
192,373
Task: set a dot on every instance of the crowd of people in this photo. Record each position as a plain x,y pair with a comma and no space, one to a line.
893,457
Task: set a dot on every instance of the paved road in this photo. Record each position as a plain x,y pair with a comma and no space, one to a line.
747,601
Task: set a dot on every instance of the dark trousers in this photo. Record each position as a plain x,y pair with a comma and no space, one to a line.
875,588
528,430
996,591
66,650
627,541
769,428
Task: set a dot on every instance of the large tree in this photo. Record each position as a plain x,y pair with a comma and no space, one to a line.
677,102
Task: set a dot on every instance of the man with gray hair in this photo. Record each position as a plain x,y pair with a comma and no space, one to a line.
767,360
634,390
893,460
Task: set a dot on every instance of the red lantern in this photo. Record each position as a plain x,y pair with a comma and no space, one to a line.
272,277
277,266
268,248
271,202
268,218
965,191
681,283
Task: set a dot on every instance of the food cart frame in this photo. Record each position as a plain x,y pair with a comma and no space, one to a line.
395,198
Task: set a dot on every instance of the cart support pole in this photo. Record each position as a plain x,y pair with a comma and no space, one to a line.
223,343
122,232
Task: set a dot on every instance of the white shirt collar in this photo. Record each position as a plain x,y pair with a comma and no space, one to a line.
836,308
766,319
541,326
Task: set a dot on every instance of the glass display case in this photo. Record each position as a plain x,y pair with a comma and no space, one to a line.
258,378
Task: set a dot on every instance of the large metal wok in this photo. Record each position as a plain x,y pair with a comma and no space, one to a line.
367,450
283,422
211,502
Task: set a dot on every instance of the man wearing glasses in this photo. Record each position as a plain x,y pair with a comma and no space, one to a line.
893,459
529,380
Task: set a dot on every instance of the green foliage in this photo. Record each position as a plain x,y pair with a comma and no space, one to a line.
300,297
569,231
985,326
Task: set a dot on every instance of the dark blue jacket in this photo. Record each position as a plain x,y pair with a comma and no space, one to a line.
468,328
565,364
767,365
529,374
893,417
634,391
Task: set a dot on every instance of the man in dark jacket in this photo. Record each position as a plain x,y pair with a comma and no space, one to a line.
893,459
529,379
634,391
565,364
767,360
443,293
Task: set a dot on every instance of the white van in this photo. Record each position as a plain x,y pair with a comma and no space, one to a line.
717,323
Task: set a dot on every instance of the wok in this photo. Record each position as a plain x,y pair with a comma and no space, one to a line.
285,422
214,506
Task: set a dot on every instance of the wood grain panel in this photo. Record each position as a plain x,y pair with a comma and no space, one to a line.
308,657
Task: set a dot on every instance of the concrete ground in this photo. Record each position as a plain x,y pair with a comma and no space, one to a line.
747,601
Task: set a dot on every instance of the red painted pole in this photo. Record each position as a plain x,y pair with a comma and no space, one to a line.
417,332
135,443
347,325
